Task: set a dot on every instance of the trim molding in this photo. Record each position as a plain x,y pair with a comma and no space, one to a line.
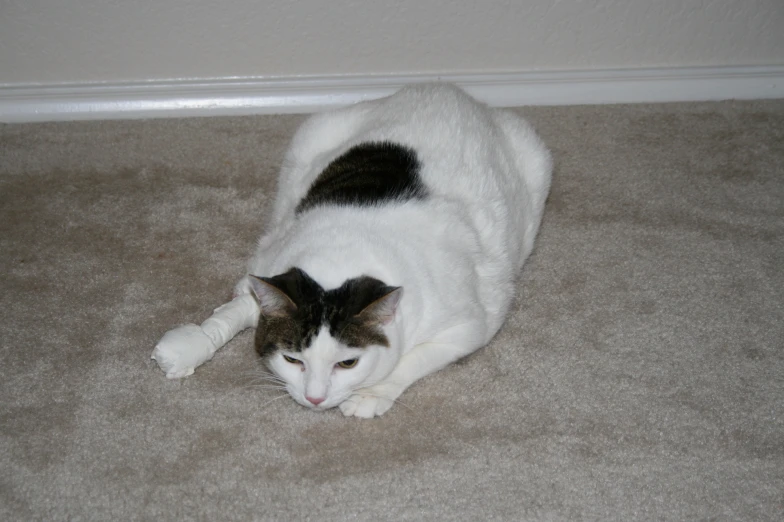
236,96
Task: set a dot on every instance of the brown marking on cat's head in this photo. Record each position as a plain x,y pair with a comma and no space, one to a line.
294,308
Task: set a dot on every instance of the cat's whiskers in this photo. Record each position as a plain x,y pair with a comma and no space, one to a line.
266,386
262,382
263,378
273,400
260,387
260,370
259,380
262,375
267,380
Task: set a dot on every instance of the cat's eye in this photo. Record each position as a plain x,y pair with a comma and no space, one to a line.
349,363
292,360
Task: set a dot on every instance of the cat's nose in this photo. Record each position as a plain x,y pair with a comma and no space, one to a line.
315,400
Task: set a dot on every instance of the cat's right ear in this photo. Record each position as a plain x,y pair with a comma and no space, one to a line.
382,310
273,302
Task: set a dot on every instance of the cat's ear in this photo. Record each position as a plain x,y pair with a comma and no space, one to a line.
382,310
272,300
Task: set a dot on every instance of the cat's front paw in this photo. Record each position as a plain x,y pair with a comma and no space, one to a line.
369,402
182,349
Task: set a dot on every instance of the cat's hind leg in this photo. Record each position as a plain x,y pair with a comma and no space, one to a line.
181,350
422,360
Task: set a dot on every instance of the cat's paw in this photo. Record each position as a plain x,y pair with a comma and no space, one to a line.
365,407
369,402
182,349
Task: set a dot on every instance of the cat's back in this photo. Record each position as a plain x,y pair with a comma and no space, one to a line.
402,187
425,116
427,106
431,143
440,122
456,141
488,162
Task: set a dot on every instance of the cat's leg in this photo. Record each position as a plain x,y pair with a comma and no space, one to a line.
186,347
242,287
422,360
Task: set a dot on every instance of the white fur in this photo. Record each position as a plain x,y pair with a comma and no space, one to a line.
456,254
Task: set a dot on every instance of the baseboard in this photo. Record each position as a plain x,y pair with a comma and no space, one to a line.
180,98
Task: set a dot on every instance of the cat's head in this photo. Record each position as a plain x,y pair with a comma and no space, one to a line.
324,344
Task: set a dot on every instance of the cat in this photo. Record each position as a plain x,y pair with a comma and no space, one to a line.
395,239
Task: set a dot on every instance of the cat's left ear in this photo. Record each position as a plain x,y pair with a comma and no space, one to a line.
383,309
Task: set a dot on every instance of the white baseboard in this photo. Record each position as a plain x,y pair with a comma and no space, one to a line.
180,98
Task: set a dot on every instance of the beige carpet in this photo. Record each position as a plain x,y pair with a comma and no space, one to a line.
639,376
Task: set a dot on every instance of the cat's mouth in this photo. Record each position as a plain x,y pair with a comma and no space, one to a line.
328,403
319,407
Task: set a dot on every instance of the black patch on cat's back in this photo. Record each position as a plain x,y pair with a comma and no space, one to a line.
373,173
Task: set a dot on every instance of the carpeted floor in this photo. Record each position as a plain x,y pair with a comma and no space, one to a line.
639,376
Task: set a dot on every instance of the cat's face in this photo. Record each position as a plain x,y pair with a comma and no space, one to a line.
326,373
325,344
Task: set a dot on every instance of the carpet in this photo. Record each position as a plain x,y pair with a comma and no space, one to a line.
640,374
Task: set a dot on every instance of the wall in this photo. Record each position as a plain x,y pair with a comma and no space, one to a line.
61,41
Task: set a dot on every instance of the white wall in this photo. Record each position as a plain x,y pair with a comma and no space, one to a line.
54,41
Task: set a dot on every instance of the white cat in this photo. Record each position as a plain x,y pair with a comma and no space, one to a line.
399,227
